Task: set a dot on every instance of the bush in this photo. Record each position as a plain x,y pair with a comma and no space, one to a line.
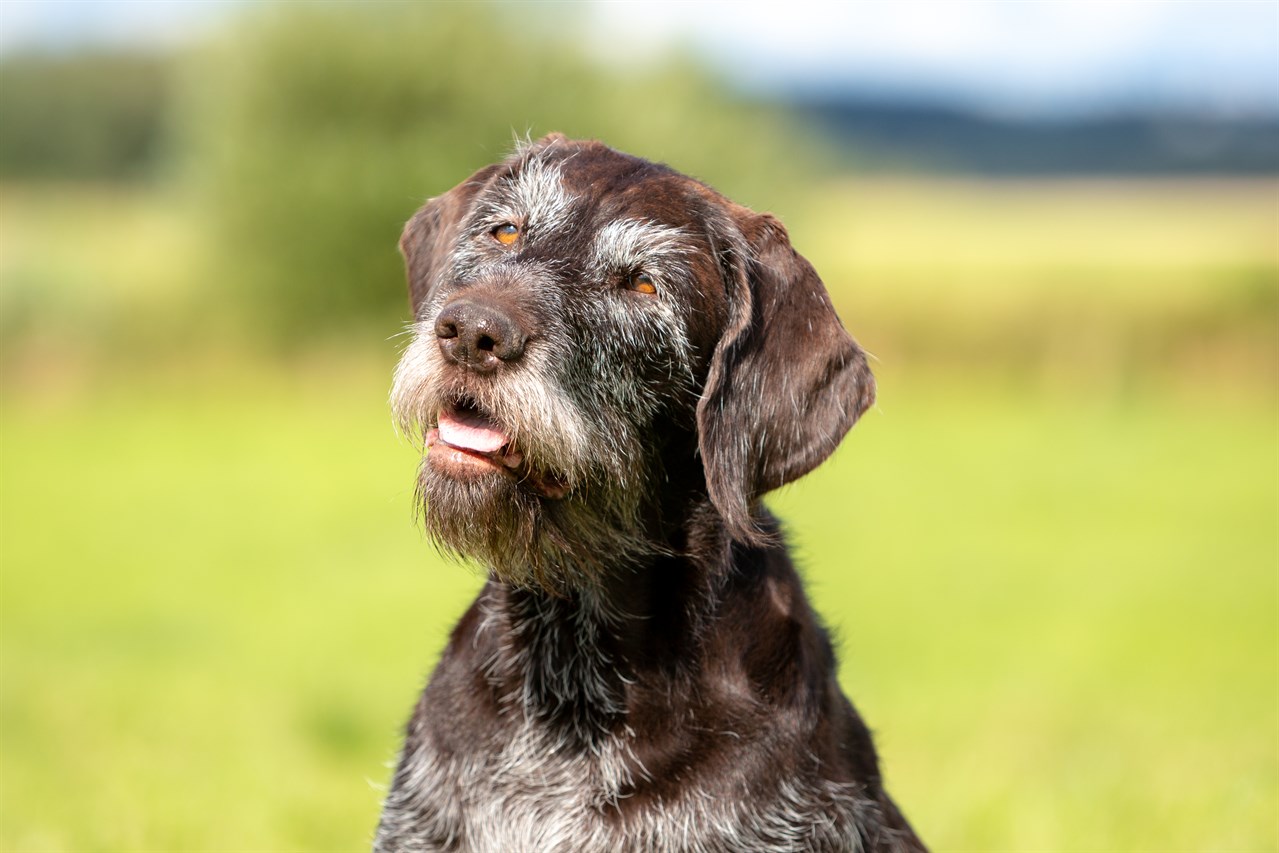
317,129
83,116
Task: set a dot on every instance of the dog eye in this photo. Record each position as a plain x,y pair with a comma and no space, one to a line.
642,282
506,234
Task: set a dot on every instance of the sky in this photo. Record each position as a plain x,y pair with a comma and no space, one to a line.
1013,56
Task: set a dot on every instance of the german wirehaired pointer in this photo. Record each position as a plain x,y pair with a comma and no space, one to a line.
611,364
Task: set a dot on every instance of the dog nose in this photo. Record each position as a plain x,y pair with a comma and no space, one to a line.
479,334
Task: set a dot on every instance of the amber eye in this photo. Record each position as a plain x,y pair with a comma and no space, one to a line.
642,282
506,234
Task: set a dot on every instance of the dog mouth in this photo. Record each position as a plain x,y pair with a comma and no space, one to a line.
469,442
467,429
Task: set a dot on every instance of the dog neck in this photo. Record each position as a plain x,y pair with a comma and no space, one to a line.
553,658
568,659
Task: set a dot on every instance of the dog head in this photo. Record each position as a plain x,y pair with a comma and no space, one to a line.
595,333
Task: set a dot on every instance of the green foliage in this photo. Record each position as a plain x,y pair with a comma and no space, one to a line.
83,115
317,129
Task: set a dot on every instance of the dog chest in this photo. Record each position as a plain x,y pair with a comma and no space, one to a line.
532,793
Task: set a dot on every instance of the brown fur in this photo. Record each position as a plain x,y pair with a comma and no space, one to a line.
643,670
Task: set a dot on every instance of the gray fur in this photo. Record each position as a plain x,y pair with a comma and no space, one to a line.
608,691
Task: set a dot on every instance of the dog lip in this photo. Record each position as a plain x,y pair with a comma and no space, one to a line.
459,462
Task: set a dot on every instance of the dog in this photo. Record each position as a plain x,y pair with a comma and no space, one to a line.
610,364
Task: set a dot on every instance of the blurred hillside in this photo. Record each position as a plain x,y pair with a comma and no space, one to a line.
915,135
258,181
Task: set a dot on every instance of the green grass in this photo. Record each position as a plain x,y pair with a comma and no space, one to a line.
1051,553
213,598
1110,280
1059,615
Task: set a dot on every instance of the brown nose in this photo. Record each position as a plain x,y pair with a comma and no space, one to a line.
479,334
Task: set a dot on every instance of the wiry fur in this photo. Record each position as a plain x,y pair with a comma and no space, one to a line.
528,540
578,409
642,671
528,787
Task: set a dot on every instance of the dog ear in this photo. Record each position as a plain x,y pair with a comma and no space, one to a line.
429,235
785,383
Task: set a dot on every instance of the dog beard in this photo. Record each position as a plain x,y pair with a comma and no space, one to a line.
528,540
553,520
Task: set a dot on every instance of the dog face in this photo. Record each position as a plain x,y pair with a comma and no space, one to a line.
592,328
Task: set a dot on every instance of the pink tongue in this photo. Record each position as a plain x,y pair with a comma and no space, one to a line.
471,431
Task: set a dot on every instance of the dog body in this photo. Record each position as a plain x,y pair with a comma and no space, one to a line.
611,364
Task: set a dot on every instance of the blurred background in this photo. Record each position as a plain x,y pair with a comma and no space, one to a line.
1051,553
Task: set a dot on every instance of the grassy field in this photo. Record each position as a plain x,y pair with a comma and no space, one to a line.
1056,584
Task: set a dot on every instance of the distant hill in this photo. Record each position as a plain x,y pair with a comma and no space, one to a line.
887,135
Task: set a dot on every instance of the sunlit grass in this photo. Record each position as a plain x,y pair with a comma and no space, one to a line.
1166,277
1051,552
987,231
1112,281
1059,617
216,611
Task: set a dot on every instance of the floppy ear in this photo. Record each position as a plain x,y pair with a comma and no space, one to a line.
786,382
429,235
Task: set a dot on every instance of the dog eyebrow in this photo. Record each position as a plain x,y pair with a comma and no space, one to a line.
536,194
628,243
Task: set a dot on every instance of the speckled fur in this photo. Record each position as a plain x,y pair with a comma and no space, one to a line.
642,671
